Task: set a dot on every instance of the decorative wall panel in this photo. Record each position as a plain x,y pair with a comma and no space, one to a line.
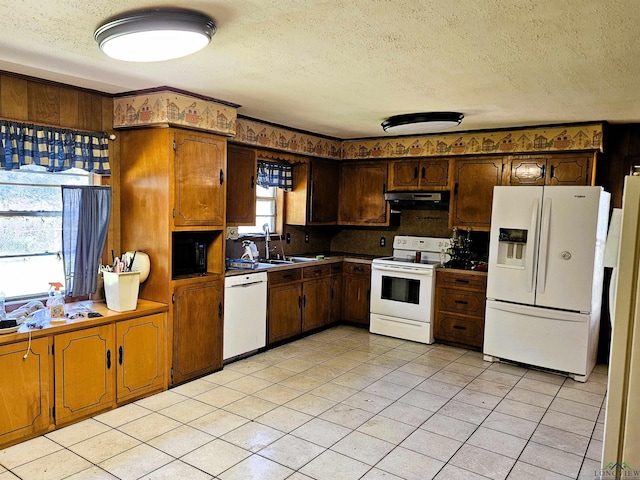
265,135
529,140
173,108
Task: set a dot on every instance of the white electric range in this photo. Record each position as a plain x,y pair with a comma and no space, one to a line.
403,286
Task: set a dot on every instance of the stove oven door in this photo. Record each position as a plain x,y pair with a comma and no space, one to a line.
402,291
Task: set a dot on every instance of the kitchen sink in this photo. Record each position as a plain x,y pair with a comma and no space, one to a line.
274,261
290,261
301,259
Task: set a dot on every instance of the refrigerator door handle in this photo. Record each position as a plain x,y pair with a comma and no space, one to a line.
533,228
544,245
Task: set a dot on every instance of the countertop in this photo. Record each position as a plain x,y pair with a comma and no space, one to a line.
329,258
144,307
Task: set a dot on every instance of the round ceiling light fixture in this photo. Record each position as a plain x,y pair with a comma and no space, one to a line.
155,35
416,123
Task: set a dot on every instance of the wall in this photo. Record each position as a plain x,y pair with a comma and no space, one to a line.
361,240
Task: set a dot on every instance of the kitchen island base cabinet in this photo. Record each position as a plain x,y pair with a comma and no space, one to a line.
197,330
25,393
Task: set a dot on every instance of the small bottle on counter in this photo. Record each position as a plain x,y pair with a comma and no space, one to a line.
55,303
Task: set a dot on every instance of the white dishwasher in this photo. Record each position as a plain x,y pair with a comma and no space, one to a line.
245,313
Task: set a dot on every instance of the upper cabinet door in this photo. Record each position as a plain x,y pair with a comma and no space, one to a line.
323,201
552,169
570,169
242,168
403,174
313,199
474,179
200,187
361,197
434,174
419,174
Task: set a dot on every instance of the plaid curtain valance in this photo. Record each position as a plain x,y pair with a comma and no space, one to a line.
272,174
56,149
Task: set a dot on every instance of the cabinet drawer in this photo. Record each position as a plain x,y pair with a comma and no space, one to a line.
314,271
357,268
462,301
454,328
284,276
461,280
336,268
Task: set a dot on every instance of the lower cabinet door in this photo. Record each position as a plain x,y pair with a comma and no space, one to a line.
355,298
316,303
284,312
197,330
140,351
24,395
85,362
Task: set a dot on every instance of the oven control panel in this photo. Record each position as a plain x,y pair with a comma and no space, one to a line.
423,244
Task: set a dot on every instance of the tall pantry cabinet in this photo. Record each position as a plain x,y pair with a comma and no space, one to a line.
173,189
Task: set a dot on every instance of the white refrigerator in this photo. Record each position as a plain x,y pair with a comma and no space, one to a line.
622,422
545,277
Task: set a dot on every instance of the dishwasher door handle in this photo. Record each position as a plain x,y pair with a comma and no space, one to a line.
244,285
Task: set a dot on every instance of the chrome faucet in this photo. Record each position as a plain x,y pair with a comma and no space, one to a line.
265,228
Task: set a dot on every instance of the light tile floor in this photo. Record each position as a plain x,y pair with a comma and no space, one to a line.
341,404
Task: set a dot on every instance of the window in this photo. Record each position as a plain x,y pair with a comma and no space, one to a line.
266,211
31,228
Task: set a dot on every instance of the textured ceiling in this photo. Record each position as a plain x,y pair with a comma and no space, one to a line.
340,67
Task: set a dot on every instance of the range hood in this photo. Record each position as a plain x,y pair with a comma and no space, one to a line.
418,200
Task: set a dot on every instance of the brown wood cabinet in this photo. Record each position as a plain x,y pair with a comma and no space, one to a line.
313,199
74,370
25,399
200,165
361,194
336,292
459,309
473,182
284,304
140,345
173,184
316,296
552,169
197,329
356,292
242,168
419,174
301,299
85,362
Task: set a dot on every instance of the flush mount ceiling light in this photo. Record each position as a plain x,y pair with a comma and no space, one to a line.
415,123
155,35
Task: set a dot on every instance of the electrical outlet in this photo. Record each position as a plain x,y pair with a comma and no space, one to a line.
306,238
383,241
232,233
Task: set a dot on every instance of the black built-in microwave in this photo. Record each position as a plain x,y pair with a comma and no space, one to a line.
189,255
